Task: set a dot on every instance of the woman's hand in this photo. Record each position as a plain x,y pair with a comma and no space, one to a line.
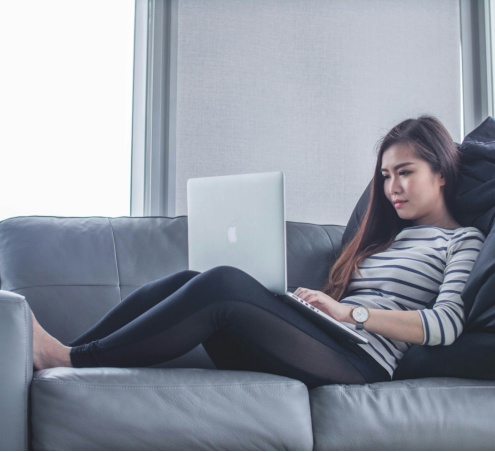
325,303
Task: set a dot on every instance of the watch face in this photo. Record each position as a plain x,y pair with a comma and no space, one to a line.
360,314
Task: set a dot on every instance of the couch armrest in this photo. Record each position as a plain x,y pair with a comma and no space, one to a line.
16,370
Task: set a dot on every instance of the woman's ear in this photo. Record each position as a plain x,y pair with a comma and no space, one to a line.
442,179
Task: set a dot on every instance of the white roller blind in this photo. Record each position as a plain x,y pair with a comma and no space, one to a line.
307,87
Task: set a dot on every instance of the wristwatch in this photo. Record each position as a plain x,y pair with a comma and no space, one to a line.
360,314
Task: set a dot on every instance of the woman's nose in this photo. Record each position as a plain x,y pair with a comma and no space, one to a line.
394,186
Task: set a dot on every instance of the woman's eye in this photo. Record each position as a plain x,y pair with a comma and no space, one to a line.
400,173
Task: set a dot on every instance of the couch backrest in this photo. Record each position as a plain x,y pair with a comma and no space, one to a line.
74,270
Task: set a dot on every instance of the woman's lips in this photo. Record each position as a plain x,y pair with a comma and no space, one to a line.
399,204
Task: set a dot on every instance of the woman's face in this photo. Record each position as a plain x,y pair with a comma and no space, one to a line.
415,184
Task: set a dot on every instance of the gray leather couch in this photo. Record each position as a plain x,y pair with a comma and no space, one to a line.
71,271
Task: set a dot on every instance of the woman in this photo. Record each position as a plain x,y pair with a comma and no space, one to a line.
409,250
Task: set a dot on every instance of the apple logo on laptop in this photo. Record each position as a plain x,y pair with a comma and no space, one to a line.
231,233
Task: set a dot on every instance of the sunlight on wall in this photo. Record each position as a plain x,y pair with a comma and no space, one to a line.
66,107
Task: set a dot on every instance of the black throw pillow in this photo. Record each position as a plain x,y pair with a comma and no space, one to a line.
472,355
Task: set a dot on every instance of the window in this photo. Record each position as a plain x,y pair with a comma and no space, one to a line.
66,109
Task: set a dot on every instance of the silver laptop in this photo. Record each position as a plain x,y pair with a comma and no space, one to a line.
239,220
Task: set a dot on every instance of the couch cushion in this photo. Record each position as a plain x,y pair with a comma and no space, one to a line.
168,409
423,414
311,252
148,248
63,263
72,271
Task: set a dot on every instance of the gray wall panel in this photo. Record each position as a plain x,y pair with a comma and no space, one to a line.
307,87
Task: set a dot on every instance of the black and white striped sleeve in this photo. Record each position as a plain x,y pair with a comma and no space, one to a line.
444,323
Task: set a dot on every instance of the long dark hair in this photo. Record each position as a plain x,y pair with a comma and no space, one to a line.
430,141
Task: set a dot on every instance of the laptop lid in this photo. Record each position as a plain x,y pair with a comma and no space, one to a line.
239,220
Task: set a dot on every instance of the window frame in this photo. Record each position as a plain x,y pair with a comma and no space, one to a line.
154,108
477,71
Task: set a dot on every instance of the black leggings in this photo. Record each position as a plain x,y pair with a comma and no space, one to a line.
241,324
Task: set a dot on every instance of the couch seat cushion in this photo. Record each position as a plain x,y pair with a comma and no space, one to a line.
422,414
168,409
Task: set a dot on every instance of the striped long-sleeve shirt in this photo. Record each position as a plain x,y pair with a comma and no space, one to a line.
422,264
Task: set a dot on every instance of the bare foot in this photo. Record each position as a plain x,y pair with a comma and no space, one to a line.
47,351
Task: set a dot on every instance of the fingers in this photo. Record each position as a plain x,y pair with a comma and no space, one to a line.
303,293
